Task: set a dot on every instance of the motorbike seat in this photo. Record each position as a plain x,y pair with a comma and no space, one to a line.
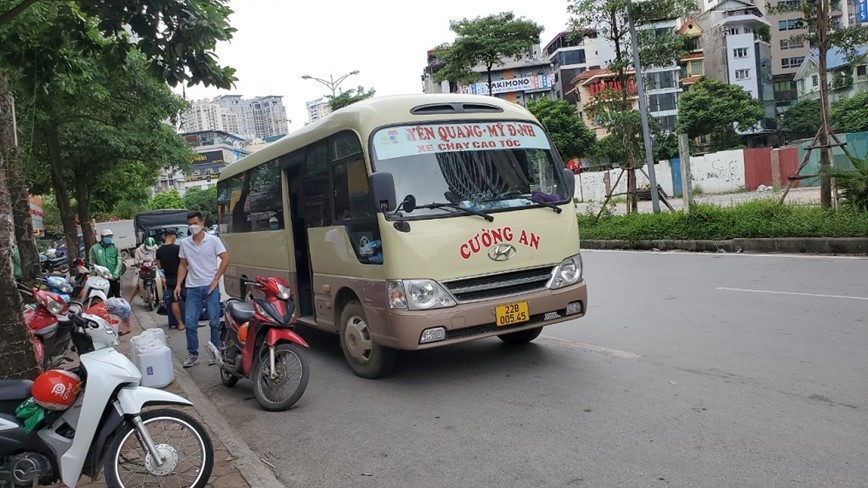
14,390
240,311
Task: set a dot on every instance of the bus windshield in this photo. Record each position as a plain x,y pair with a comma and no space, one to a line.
482,166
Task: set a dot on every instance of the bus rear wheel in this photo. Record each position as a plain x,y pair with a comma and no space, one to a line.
366,358
520,337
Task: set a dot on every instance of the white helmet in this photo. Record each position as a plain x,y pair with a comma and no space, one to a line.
107,233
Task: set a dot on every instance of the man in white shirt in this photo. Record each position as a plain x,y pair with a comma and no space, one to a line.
203,261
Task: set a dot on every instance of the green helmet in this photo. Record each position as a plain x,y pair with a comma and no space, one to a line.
150,244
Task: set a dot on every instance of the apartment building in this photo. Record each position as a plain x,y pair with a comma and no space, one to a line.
259,117
514,80
736,50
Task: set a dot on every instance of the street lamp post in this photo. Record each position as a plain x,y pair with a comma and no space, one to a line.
331,83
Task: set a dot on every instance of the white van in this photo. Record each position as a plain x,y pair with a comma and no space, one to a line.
124,235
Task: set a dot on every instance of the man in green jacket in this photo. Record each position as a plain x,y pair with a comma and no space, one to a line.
106,254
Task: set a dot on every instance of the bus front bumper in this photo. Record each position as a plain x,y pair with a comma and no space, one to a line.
476,320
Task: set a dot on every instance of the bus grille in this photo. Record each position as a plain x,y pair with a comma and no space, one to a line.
499,285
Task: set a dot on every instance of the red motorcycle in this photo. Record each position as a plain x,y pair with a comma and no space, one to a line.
258,343
50,337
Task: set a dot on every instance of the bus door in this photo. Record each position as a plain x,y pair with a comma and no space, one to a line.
301,247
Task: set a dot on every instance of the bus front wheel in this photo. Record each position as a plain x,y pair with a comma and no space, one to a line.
366,358
521,337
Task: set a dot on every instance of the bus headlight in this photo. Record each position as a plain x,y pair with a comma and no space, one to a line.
417,295
569,272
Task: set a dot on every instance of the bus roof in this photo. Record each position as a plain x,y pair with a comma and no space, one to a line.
367,115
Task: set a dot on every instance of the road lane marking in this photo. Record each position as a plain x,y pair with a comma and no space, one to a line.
774,292
729,254
591,347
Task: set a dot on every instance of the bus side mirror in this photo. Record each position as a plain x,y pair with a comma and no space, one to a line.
570,179
383,188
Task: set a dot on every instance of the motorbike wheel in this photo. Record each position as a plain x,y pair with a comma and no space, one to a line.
181,440
292,371
148,298
228,379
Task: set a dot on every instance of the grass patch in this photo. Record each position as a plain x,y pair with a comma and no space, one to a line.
756,219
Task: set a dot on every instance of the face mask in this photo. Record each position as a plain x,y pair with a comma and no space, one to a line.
195,229
106,240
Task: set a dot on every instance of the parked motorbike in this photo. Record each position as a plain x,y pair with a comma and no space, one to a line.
49,336
95,287
58,285
94,420
53,264
258,343
151,285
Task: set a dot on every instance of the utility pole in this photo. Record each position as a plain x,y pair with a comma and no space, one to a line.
331,83
684,156
643,113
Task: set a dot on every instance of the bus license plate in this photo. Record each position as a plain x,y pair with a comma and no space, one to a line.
513,313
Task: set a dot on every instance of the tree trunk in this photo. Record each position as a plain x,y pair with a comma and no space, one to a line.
16,353
18,195
82,200
823,141
67,214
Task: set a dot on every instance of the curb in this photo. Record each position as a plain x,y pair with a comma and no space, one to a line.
786,245
247,462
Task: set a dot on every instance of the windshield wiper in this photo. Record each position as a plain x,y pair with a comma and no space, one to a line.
516,194
454,206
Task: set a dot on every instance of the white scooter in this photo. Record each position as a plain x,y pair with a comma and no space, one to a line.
96,286
105,427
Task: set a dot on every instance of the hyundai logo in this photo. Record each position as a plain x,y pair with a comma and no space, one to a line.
501,252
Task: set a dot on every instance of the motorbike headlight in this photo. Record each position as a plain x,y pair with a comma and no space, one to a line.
53,306
104,273
66,288
418,295
569,272
283,292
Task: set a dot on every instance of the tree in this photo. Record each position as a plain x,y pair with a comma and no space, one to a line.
608,19
485,41
665,146
204,201
570,135
850,114
349,97
177,38
167,199
802,119
717,108
823,35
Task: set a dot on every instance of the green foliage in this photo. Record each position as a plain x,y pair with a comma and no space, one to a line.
850,114
485,41
167,199
195,199
561,120
854,183
609,19
802,119
757,219
349,97
665,146
711,107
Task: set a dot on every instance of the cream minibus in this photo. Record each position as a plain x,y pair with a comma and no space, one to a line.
410,222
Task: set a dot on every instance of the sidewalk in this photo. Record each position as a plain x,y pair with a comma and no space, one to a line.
235,465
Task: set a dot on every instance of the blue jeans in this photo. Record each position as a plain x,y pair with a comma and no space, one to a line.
197,297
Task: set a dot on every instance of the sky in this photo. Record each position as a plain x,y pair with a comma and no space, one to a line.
278,41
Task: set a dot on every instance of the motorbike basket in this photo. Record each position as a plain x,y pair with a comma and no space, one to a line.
147,274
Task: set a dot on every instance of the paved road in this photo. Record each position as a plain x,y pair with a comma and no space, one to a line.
688,371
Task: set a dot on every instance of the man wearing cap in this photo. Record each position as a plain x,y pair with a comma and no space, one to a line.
107,255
